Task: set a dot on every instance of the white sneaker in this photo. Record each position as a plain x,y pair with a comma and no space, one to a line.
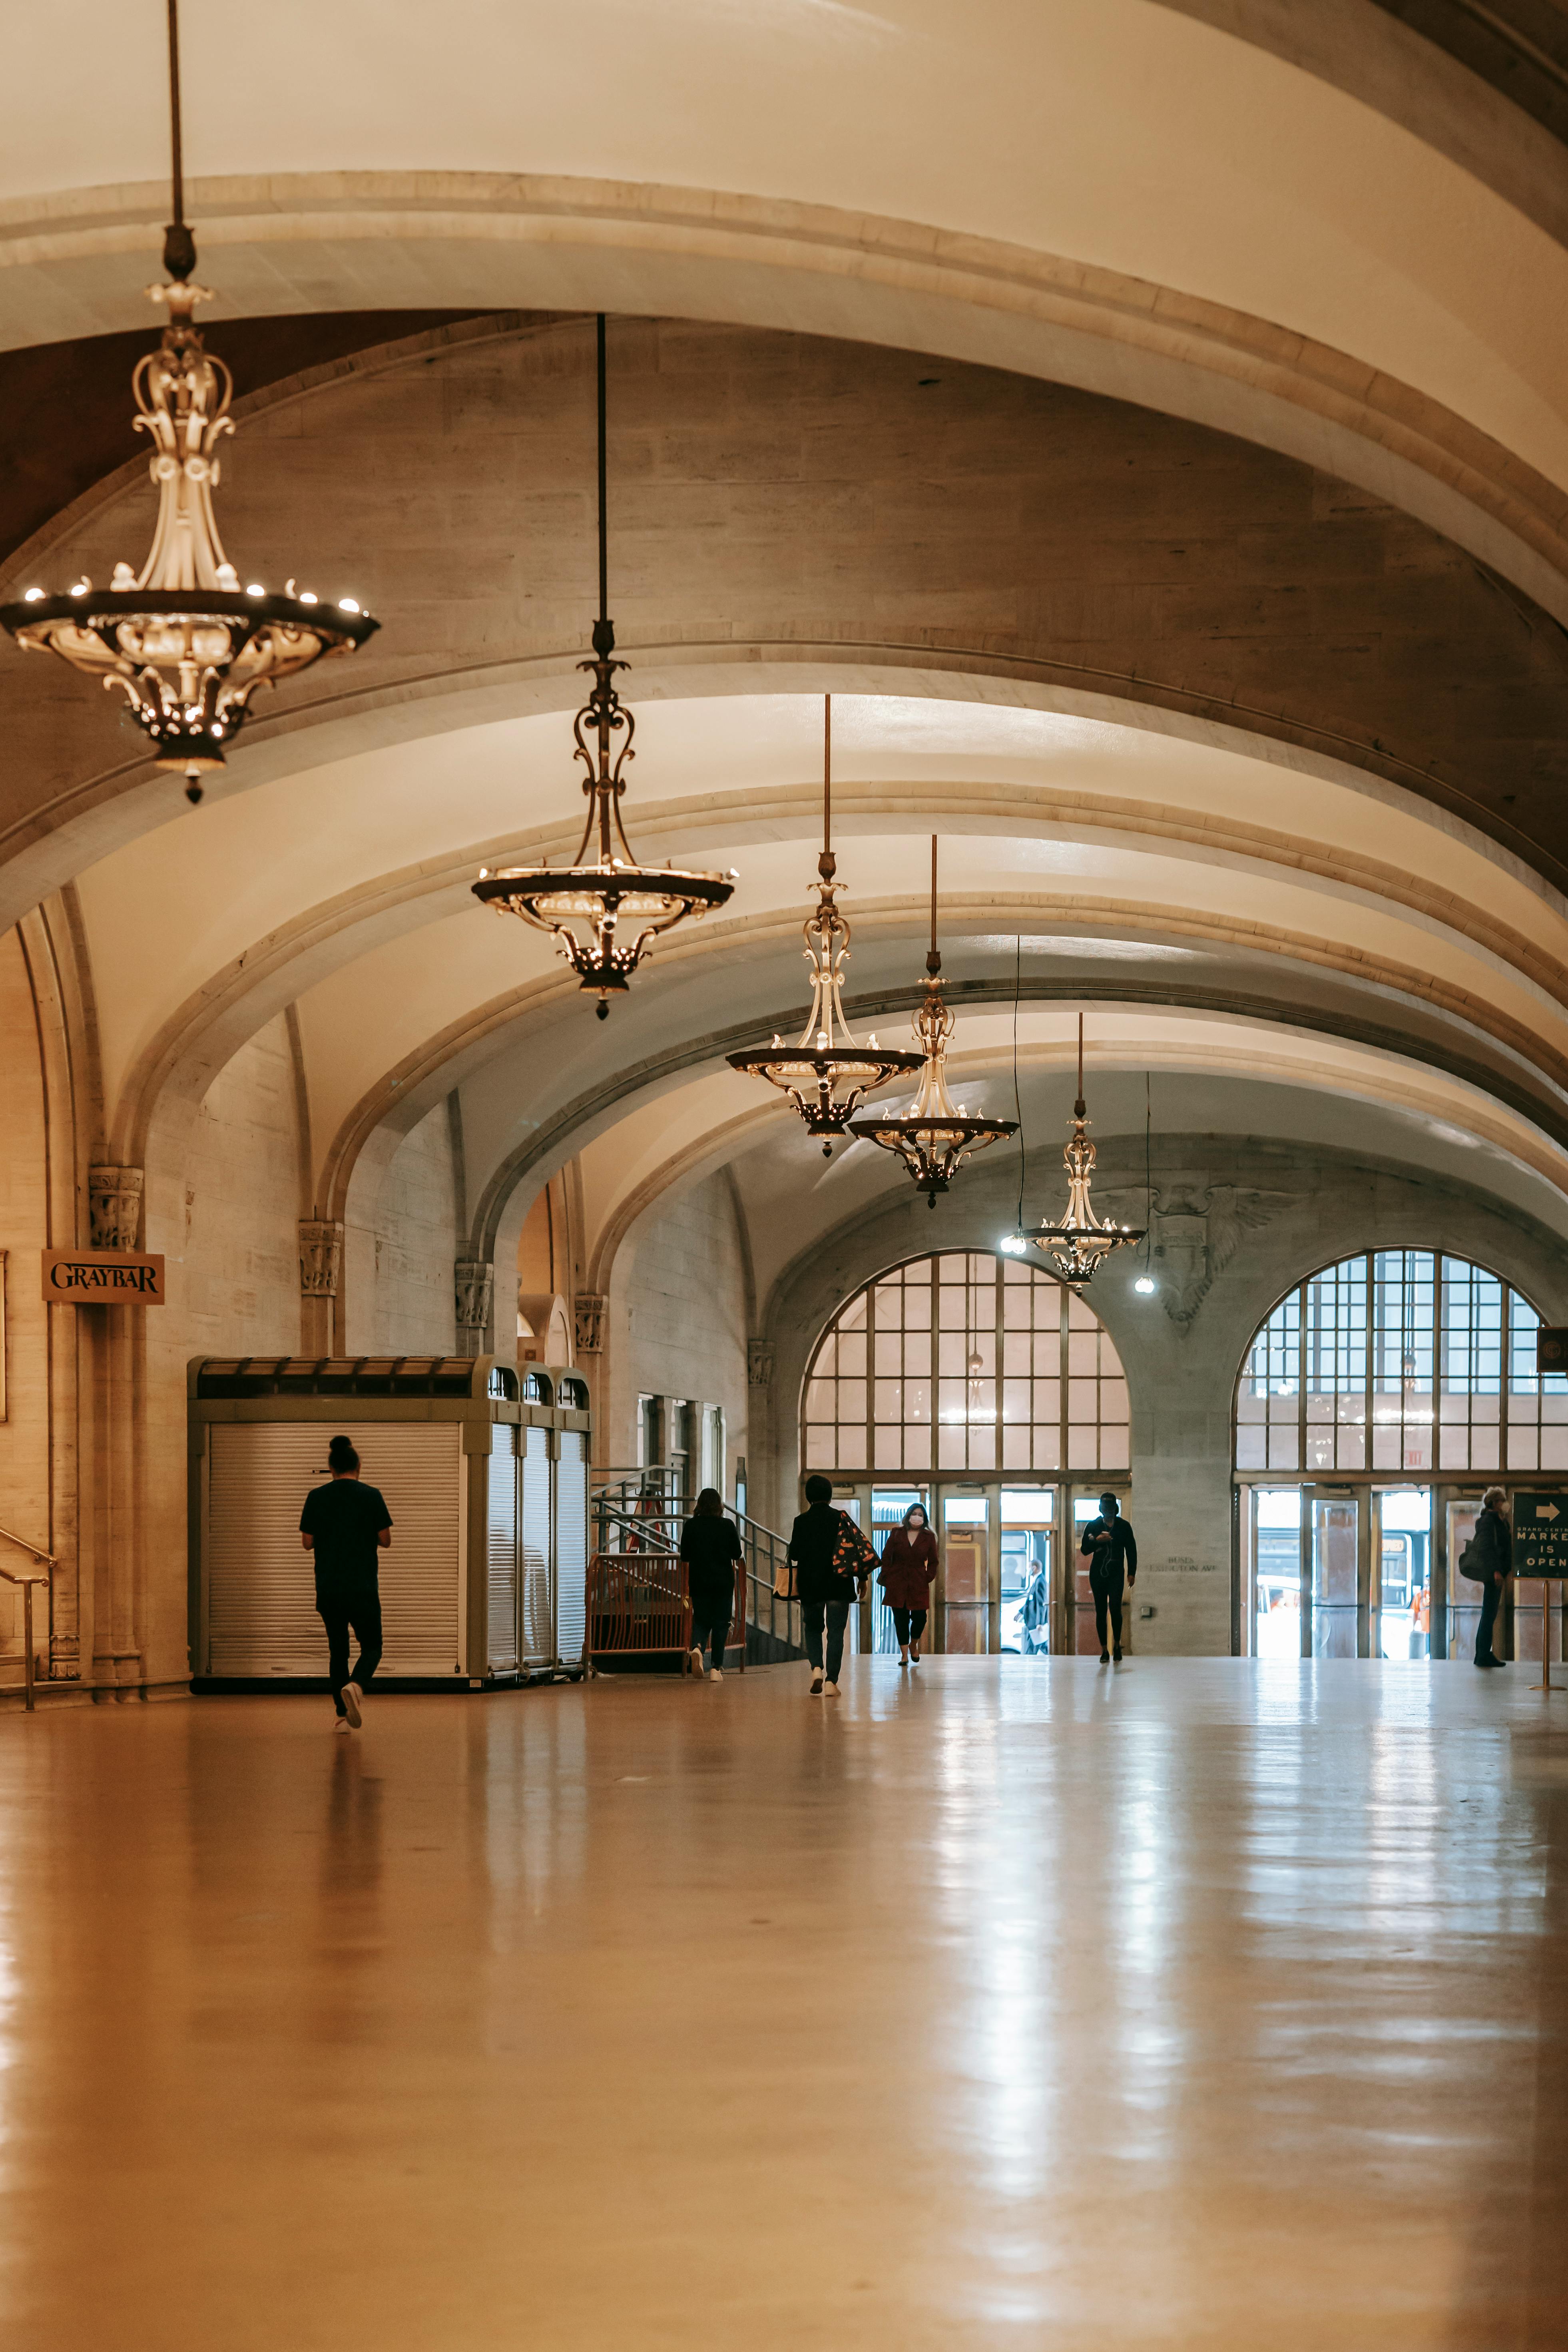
816,1682
351,1697
831,1690
716,1674
342,1725
696,1662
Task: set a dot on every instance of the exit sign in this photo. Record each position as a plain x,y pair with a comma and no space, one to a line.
1540,1534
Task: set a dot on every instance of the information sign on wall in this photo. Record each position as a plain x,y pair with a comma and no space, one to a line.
92,1277
1540,1534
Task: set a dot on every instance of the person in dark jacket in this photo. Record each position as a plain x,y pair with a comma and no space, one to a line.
344,1526
908,1565
826,1593
710,1545
1111,1546
1494,1541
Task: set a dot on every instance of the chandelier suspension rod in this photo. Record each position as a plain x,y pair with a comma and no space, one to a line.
933,961
1077,1106
828,864
603,624
179,246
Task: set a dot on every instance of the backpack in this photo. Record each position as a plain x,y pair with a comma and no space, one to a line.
854,1553
1475,1561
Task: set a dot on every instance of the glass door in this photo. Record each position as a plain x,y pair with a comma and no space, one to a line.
1400,1595
1464,1612
1028,1528
963,1582
1085,1637
1334,1528
1276,1618
888,1505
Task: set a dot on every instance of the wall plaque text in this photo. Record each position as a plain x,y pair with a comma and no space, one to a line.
92,1277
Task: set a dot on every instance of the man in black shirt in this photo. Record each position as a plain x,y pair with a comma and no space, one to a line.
1111,1546
344,1526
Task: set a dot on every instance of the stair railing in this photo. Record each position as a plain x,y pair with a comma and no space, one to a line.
47,1560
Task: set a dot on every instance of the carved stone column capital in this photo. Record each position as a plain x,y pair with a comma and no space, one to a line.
114,1207
320,1257
590,1310
473,1282
759,1363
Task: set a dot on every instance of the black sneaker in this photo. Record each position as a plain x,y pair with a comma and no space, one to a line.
1105,1657
1116,1653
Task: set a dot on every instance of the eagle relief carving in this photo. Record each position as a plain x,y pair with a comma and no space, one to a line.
1198,1229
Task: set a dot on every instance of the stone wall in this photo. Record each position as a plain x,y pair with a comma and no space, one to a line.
400,1246
678,1318
241,1257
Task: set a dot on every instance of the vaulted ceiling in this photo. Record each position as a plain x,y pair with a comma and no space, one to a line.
1148,421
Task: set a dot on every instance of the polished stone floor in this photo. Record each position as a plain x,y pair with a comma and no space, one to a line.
1006,2004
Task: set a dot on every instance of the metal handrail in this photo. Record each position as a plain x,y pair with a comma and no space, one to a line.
34,1551
622,1500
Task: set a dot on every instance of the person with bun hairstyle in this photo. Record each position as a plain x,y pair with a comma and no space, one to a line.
344,1526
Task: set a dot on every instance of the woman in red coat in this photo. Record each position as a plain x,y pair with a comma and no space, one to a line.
908,1566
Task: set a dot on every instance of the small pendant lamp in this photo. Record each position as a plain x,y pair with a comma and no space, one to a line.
1080,1243
938,1135
585,903
827,1075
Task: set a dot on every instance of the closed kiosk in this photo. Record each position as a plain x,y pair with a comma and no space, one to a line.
485,1471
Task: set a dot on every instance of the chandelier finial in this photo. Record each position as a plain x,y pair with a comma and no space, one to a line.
584,904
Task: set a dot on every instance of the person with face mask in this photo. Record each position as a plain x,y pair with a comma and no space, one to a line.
1110,1547
908,1565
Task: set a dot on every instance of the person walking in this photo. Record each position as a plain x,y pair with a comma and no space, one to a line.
710,1545
345,1526
908,1565
825,1588
1493,1541
1111,1546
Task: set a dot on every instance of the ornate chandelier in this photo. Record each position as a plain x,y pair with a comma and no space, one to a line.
585,903
185,643
938,1135
827,1075
1081,1243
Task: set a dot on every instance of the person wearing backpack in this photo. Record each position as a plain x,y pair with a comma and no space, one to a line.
1488,1559
830,1559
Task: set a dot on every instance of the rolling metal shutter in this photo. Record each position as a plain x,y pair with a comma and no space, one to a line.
571,1546
538,1628
260,1588
501,1553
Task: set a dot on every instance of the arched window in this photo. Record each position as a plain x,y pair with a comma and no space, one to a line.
1400,1360
960,1363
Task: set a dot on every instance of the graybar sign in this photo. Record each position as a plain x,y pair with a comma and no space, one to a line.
102,1279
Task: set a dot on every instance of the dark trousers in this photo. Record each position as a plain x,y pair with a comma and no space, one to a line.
836,1613
710,1631
1106,1591
361,1614
1491,1601
909,1624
